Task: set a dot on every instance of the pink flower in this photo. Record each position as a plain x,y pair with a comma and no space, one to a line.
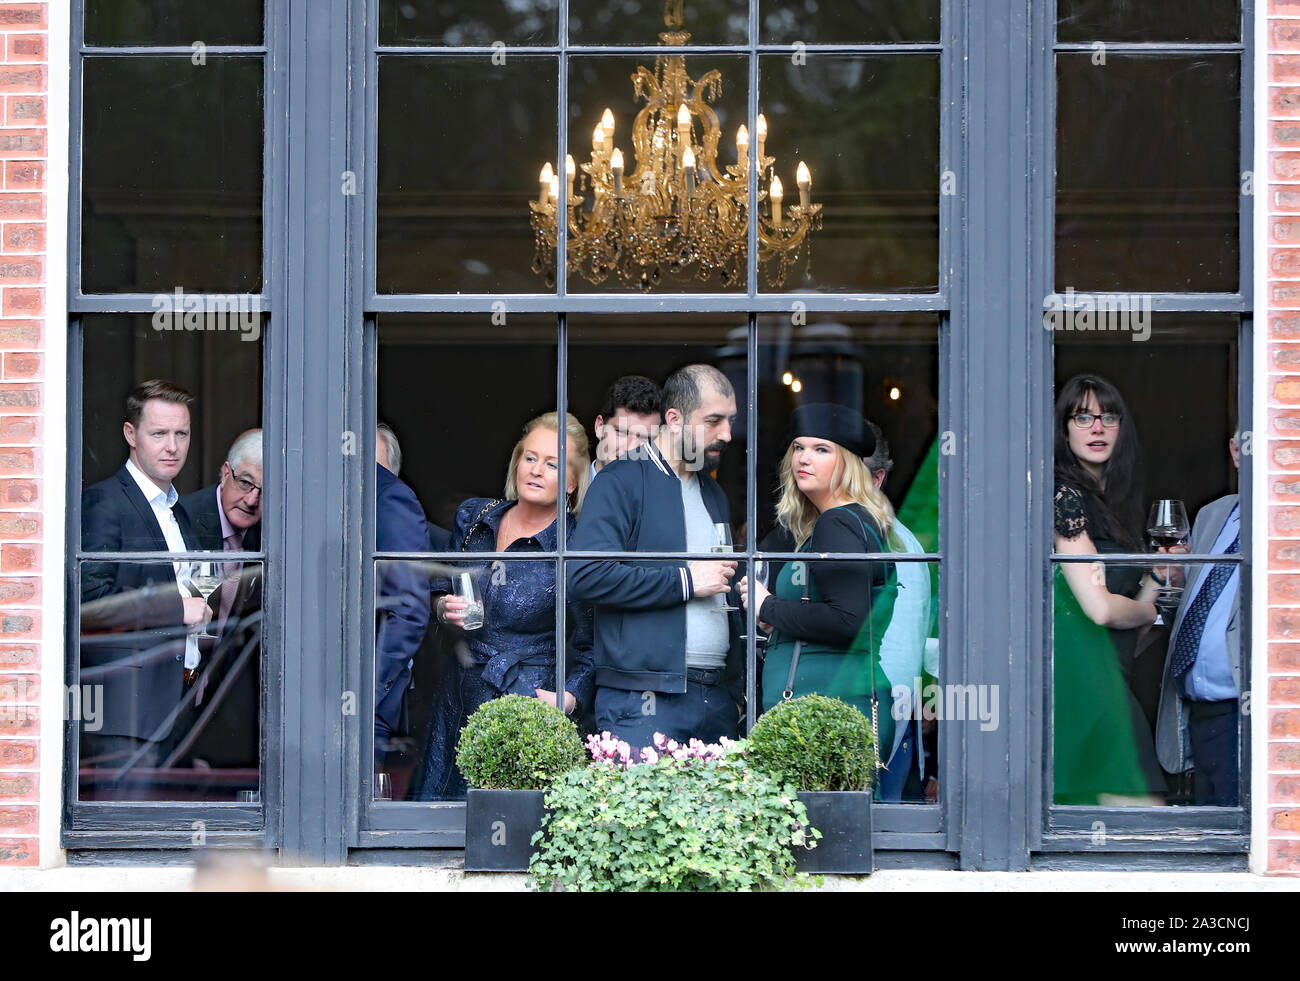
659,740
648,755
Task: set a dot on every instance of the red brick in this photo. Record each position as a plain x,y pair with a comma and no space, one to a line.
20,591
22,143
20,558
1285,357
1284,855
1285,198
1284,691
21,270
1285,454
1281,262
1284,756
20,624
1284,724
1285,521
1285,294
19,302
1283,624
19,397
29,110
19,852
31,173
20,429
16,460
21,205
19,526
23,335
1283,590
1284,555
19,491
20,820
22,78
19,656
26,47
1285,69
18,754
1284,658
1284,790
1284,328
22,364
27,237
1285,101
16,786
1282,488
18,720
15,16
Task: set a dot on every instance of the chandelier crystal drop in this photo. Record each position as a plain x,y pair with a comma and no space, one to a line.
677,211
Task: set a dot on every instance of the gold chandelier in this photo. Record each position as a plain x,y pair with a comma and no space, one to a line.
677,211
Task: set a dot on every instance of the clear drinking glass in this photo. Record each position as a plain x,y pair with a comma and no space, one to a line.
722,544
464,586
207,578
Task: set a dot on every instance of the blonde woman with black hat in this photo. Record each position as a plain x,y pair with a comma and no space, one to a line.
827,618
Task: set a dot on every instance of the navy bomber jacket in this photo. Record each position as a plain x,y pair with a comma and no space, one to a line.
635,505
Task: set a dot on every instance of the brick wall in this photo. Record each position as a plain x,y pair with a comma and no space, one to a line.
23,86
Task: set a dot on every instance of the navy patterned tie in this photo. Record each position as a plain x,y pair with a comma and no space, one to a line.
1193,625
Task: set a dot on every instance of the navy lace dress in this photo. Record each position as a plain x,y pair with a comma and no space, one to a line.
513,653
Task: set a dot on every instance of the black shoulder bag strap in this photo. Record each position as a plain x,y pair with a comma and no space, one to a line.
477,518
786,695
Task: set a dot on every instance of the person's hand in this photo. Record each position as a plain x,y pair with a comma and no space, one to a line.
761,593
451,609
712,578
1172,574
197,612
932,791
570,703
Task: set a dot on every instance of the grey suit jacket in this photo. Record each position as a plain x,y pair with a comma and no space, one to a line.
1172,744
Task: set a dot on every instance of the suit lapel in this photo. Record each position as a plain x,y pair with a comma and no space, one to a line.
158,543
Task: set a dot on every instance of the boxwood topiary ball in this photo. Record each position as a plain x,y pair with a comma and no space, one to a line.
517,743
816,743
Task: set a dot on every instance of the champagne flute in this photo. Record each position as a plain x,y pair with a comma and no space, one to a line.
463,585
722,544
759,570
1167,526
207,578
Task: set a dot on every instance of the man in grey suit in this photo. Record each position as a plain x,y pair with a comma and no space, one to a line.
1196,728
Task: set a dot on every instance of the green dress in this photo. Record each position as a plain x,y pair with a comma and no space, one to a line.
840,657
1100,743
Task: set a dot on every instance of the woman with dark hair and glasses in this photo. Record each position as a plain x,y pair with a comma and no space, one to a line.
1104,752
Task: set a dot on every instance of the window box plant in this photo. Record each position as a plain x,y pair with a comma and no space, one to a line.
511,750
826,749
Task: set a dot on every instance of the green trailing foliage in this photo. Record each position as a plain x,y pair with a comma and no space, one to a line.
517,743
815,743
687,825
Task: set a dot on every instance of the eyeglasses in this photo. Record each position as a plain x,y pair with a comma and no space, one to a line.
245,485
1084,420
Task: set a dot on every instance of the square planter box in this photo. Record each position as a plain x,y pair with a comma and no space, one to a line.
844,819
499,828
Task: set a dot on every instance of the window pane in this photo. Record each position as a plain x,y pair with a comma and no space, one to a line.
1148,172
461,142
1133,700
818,22
173,22
174,205
868,130
628,232
1149,20
532,22
162,711
643,21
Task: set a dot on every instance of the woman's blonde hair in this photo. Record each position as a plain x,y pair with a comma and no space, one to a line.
575,439
851,479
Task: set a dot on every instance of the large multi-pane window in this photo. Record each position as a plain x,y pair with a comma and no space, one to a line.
441,242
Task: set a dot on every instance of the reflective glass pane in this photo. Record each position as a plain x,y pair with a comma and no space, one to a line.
484,23
1144,458
168,700
1148,172
1148,20
179,204
642,21
653,223
461,144
173,22
867,129
819,22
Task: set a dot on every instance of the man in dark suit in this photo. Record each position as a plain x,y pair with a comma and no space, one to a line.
401,592
138,621
222,728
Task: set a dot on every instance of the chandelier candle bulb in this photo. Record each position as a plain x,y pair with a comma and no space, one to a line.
597,140
607,125
776,194
760,131
545,181
570,171
688,167
554,190
683,125
742,147
804,178
616,165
